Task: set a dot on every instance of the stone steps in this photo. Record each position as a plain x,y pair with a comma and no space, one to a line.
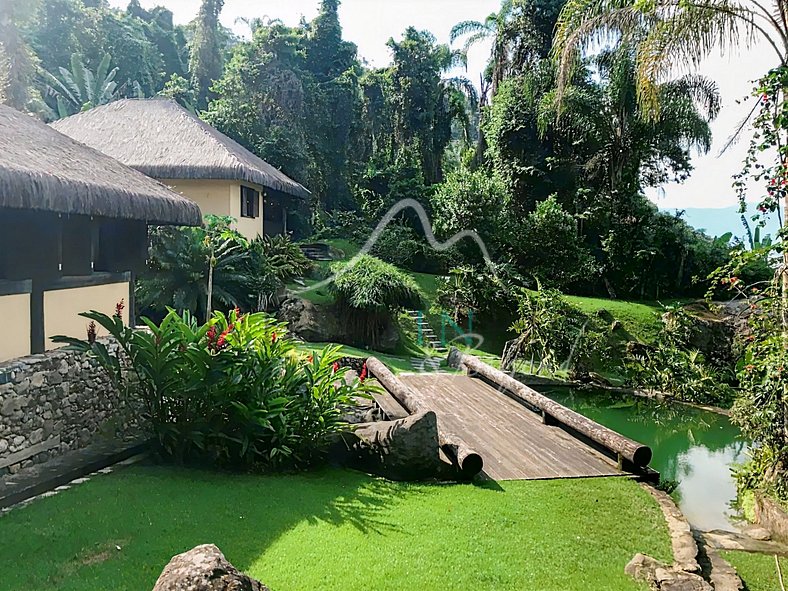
428,335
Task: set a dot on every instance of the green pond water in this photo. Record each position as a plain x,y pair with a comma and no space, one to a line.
694,447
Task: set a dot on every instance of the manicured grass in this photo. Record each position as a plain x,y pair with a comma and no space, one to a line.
396,363
334,530
640,319
758,571
428,285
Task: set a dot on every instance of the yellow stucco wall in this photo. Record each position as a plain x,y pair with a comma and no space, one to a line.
15,312
220,198
251,228
63,306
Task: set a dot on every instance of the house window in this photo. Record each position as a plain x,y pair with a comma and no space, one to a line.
250,203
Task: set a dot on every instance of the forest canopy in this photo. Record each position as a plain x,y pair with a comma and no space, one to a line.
554,187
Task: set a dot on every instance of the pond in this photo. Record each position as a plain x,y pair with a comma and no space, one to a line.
692,446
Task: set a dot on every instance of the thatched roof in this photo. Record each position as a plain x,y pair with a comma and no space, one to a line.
163,140
44,170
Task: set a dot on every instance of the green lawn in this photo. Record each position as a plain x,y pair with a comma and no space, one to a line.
640,319
758,571
396,363
334,530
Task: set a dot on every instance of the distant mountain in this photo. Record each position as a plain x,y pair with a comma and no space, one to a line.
718,221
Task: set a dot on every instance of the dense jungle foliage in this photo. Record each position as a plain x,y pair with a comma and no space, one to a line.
554,190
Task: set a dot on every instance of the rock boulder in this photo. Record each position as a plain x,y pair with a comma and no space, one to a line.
204,568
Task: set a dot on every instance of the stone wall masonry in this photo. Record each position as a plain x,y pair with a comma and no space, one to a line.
56,402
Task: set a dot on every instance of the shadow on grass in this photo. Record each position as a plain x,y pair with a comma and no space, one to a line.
119,530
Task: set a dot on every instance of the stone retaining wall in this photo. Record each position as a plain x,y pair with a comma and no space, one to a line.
53,403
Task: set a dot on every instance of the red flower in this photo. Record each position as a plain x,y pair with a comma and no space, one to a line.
363,375
749,367
119,308
335,367
221,342
237,311
273,337
309,358
92,332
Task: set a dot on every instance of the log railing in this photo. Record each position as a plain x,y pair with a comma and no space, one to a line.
621,447
469,462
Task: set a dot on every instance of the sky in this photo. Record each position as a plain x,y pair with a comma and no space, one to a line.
371,23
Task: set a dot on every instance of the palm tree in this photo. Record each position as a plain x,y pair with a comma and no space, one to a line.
496,27
667,34
80,89
626,149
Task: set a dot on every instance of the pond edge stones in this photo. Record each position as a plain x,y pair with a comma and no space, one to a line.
685,574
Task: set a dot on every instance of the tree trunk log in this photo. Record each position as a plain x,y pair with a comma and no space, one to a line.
468,461
617,444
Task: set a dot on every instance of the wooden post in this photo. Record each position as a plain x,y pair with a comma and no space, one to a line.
636,453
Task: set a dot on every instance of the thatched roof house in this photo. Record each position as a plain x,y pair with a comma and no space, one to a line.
73,230
165,141
41,169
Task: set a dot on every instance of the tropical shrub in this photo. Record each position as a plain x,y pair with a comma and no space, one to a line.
368,292
270,264
191,268
672,366
552,333
478,289
470,200
399,245
761,407
548,245
232,391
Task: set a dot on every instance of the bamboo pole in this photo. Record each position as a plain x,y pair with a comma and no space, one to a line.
554,413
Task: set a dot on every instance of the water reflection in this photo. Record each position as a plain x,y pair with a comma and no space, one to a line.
692,446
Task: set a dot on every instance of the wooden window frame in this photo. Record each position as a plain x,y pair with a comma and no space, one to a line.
249,194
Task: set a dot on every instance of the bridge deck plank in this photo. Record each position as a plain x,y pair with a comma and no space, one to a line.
511,438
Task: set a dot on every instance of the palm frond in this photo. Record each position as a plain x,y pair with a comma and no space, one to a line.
467,28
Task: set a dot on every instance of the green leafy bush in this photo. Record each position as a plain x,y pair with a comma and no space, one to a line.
553,333
188,267
368,292
478,289
548,245
470,200
398,245
672,367
185,264
270,264
232,391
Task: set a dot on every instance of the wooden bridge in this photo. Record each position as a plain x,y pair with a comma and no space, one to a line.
518,433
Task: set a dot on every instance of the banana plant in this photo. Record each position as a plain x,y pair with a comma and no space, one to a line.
80,89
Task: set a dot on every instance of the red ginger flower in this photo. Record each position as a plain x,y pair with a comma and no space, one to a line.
273,337
92,332
363,375
309,358
221,342
119,308
335,367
